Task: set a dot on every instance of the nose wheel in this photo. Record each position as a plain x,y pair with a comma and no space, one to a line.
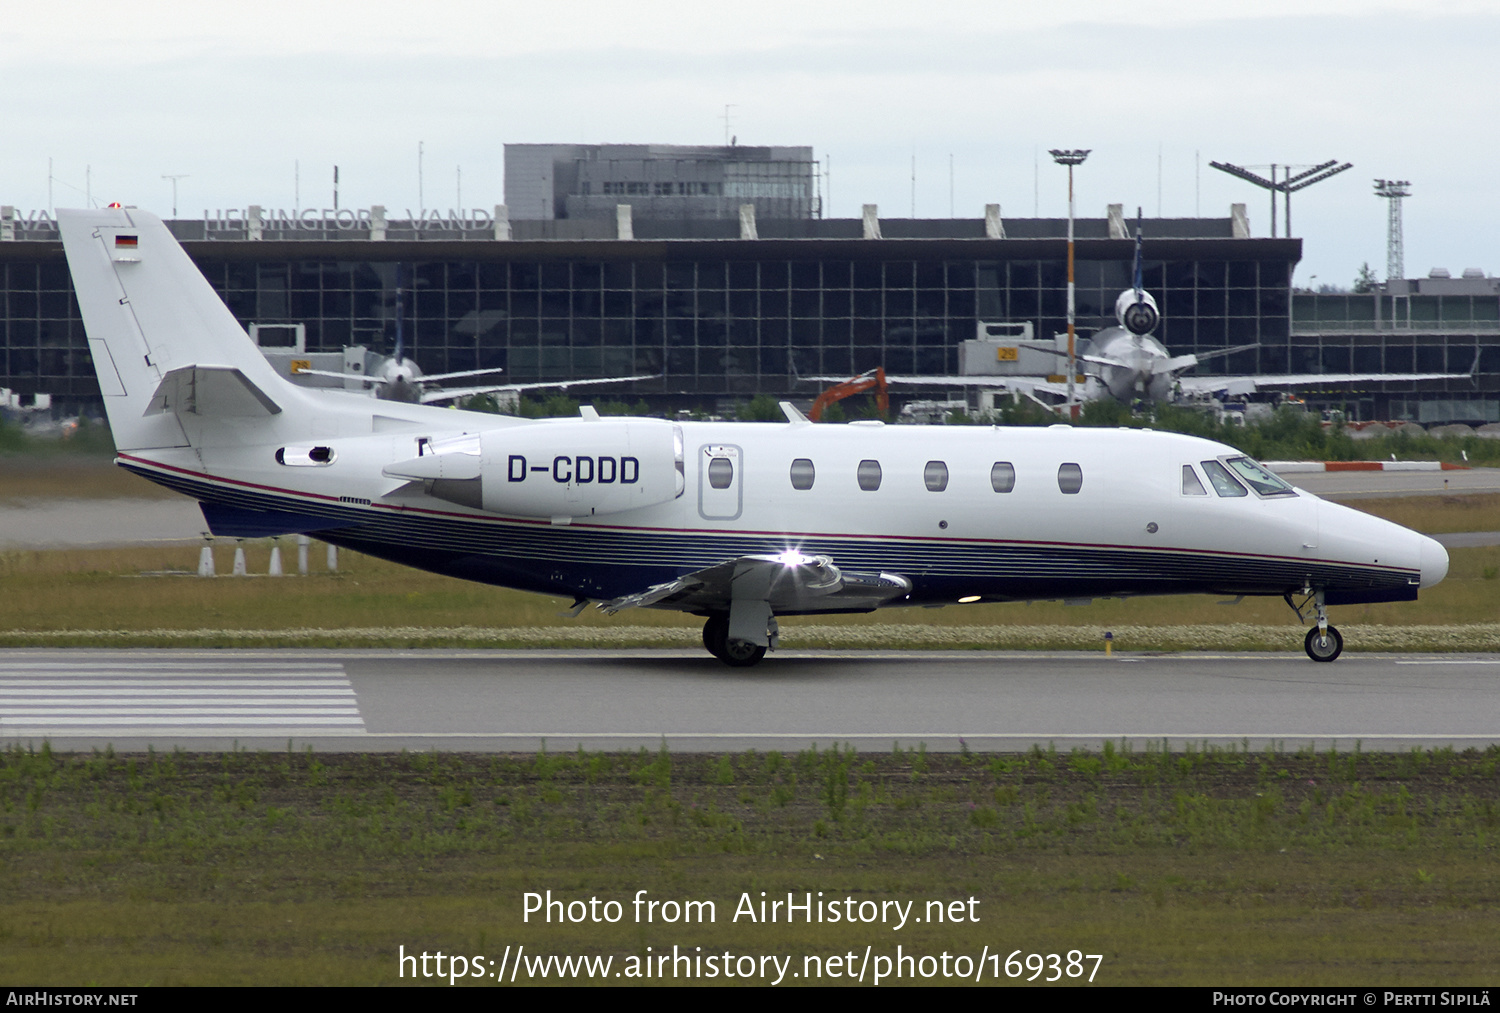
735,653
1323,644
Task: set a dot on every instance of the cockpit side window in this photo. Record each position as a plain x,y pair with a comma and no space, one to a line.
1224,482
1191,486
1259,479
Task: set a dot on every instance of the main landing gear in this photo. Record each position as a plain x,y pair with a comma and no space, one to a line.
735,653
1323,642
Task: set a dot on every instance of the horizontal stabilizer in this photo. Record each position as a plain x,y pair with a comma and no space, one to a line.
222,391
1175,364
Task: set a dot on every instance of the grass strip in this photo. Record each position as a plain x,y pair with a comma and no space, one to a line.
1212,866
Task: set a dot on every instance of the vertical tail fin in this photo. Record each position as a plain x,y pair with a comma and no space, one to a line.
149,312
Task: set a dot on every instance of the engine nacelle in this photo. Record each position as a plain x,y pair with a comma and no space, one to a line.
555,469
1137,315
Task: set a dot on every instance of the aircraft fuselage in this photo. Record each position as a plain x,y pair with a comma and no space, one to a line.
960,512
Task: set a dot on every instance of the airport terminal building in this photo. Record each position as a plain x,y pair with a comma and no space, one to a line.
728,307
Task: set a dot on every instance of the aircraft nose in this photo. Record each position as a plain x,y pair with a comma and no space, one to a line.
1434,561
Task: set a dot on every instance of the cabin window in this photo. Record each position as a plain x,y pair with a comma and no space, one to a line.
721,472
803,474
1224,483
1002,476
936,476
1069,478
869,475
1261,480
1190,484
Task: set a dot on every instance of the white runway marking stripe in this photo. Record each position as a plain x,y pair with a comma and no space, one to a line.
85,667
218,697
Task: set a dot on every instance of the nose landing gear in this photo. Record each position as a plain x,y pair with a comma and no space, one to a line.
1323,642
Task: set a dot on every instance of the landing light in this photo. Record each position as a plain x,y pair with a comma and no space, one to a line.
968,599
791,557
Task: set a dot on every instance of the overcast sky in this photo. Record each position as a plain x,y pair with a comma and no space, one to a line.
235,96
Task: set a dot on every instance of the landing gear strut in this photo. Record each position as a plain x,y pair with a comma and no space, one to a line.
735,653
1323,642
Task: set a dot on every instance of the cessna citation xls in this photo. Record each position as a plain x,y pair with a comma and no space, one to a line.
737,522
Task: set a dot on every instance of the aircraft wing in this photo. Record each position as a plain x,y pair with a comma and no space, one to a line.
338,376
424,378
987,380
789,582
456,392
439,377
1234,385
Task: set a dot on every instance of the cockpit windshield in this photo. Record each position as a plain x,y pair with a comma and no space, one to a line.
1258,478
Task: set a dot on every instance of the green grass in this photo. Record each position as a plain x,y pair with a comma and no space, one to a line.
129,596
1211,866
59,475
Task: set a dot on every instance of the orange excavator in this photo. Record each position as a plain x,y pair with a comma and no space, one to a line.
854,385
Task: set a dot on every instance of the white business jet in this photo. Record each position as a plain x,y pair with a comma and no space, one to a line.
737,522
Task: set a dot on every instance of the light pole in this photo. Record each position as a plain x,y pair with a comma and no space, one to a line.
1071,158
174,180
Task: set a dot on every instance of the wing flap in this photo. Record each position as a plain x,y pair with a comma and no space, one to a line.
789,582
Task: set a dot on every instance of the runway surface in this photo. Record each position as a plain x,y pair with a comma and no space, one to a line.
507,701
1345,485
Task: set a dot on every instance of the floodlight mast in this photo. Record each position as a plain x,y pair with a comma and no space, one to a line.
1070,158
1395,260
1288,185
1316,174
174,179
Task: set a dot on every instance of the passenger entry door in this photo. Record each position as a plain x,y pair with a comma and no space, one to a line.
719,495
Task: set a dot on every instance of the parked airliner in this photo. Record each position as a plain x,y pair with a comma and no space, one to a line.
737,522
397,377
1127,363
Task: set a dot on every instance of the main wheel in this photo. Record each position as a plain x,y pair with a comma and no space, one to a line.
1323,648
716,634
735,653
742,653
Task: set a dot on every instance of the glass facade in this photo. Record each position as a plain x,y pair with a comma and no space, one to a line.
716,319
1408,332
